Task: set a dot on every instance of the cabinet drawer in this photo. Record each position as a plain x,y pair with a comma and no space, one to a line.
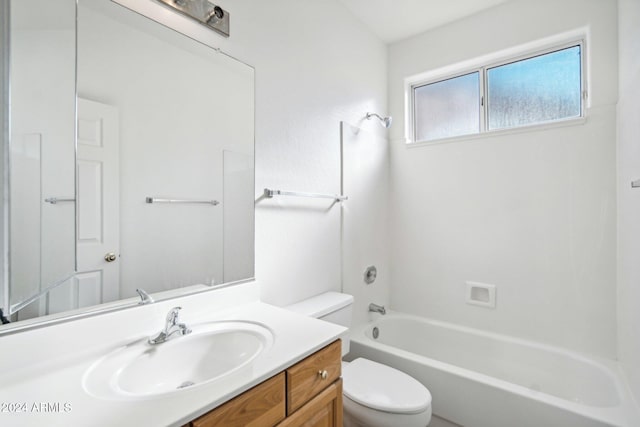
312,375
263,405
324,410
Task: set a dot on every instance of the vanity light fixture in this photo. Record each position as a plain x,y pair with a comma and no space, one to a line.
206,13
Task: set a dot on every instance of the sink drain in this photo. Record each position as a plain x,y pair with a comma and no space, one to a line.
186,384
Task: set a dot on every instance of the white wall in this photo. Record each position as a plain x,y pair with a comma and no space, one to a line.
531,212
365,217
628,198
315,66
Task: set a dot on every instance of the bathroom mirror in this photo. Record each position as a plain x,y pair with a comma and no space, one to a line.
130,160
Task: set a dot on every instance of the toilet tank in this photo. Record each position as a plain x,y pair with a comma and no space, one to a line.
333,307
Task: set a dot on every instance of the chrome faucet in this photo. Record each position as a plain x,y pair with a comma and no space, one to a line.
172,327
377,308
145,298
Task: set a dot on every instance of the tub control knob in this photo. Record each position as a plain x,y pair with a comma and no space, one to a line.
323,374
370,274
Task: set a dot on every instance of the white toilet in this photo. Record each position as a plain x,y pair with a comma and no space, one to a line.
374,395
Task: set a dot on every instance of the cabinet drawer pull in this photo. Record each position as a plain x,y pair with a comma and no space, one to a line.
323,374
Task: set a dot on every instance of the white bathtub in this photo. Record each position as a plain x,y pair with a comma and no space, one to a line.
481,379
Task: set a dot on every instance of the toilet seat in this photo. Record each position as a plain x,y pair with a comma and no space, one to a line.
384,388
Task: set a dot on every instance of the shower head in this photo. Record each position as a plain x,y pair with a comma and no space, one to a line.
384,121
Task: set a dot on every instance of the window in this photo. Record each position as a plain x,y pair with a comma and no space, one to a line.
535,90
452,107
520,92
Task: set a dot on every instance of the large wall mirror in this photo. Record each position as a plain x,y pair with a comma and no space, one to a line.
130,152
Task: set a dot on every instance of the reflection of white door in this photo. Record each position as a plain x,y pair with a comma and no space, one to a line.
98,202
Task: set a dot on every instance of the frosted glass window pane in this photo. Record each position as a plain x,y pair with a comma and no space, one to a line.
535,90
448,108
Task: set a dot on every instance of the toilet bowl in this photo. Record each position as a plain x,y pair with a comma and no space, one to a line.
374,395
379,395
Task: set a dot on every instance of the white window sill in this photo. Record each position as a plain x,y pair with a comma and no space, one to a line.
502,132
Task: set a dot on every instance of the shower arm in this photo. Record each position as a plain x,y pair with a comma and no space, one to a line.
385,122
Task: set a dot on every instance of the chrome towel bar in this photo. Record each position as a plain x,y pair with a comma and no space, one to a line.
150,199
55,200
268,193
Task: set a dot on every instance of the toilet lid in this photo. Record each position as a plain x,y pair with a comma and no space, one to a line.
384,388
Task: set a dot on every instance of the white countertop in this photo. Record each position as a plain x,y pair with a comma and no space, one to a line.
42,370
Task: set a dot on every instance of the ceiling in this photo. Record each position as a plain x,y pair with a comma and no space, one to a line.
393,20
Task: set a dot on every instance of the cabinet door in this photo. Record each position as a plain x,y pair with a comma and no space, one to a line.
312,375
263,405
324,410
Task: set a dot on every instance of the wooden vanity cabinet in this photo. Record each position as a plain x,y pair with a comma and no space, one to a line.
308,394
324,410
263,405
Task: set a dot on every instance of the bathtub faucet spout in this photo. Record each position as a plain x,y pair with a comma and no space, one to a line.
377,308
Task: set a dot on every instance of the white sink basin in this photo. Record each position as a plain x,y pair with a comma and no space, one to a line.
212,351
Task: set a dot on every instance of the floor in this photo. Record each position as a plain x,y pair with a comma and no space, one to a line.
441,422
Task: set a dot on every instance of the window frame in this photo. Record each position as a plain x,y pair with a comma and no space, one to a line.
481,66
